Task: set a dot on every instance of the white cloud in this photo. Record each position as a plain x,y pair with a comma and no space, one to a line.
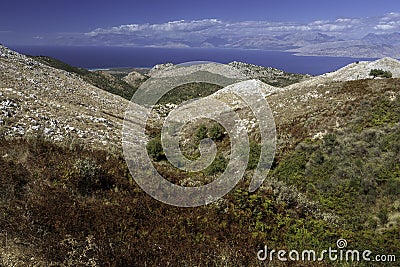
172,26
389,25
389,22
251,27
384,27
390,16
319,22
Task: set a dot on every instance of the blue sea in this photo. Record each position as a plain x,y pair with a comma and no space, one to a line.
116,57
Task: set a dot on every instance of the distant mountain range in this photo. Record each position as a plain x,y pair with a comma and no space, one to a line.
308,43
368,37
371,45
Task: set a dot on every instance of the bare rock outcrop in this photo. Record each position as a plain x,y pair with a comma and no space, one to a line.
135,78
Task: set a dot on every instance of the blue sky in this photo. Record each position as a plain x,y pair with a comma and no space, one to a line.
41,21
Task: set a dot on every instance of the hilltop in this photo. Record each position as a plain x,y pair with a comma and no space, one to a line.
271,76
360,70
355,71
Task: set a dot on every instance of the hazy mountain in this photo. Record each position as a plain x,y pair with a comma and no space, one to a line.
215,42
354,48
305,38
350,37
389,38
372,45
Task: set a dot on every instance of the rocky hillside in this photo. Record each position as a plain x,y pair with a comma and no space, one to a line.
274,78
38,99
68,199
309,99
110,81
159,67
360,70
268,75
135,78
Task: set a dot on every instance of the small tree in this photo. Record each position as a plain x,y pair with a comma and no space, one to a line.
380,73
374,73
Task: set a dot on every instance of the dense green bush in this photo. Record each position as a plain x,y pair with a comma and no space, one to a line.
380,73
216,132
201,132
219,165
155,149
348,173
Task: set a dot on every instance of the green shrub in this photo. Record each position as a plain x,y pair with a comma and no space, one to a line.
219,165
254,156
155,149
91,177
380,73
383,216
216,132
128,228
330,140
201,132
